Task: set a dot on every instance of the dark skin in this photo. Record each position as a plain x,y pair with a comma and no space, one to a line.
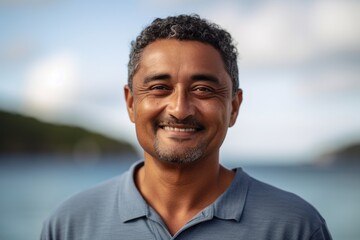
182,105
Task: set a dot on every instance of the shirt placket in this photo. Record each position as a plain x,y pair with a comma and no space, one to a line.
161,232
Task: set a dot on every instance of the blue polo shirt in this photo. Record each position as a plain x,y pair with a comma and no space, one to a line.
249,209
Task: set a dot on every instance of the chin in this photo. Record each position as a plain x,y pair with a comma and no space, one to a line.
186,156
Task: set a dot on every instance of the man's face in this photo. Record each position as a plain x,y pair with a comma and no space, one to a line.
182,102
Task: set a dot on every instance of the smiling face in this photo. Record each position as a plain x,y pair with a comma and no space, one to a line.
181,102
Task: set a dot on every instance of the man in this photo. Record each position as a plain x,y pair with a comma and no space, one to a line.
183,94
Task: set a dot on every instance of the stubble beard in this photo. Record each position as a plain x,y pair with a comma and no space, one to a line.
185,156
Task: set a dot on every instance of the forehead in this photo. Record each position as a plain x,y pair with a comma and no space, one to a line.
182,57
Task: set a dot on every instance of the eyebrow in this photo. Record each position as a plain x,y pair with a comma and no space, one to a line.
156,77
196,77
205,77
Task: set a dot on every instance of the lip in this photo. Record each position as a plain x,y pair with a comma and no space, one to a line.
178,131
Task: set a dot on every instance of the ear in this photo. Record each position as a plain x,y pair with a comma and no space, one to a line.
129,98
235,106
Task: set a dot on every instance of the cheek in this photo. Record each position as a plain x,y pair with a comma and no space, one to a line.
214,112
146,111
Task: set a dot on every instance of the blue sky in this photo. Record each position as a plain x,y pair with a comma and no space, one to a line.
65,61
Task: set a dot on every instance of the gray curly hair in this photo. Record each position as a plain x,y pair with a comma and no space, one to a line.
186,27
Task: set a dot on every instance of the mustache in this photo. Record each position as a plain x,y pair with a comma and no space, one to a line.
189,121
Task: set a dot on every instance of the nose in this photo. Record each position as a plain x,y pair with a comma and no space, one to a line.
180,105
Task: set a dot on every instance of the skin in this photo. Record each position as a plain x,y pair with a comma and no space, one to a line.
182,105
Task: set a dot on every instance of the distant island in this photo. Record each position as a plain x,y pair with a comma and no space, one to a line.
26,135
345,155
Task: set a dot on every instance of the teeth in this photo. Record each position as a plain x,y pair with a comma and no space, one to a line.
179,129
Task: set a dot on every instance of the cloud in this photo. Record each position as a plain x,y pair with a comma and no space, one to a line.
288,33
334,82
51,83
336,24
57,90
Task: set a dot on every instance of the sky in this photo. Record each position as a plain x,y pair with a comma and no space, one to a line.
65,61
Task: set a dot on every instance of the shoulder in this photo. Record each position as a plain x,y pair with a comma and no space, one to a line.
93,196
97,199
84,210
281,211
96,213
270,198
86,200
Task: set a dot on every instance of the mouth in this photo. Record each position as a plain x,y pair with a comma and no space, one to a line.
179,132
179,129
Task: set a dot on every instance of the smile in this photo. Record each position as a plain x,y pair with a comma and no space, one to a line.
176,129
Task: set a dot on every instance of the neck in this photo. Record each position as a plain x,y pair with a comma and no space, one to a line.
178,192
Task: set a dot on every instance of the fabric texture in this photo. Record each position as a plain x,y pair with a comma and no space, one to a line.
249,209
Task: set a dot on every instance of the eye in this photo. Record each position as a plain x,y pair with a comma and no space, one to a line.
159,87
203,90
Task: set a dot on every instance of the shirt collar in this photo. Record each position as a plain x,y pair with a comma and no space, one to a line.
231,203
228,206
133,205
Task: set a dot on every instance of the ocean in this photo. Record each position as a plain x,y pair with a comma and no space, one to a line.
30,189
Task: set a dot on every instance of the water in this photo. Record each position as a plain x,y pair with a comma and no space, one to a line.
29,192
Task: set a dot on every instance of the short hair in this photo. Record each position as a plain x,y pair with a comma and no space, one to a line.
186,27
